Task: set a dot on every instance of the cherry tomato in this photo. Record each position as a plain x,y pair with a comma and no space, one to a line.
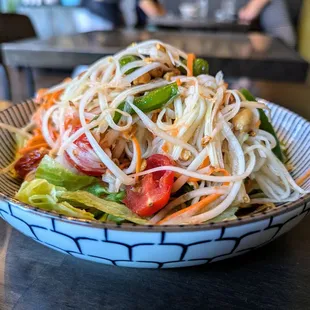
86,162
29,162
153,191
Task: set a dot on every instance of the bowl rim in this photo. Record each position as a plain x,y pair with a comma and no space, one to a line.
253,218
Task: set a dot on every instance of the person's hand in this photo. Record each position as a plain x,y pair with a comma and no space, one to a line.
252,10
152,8
248,13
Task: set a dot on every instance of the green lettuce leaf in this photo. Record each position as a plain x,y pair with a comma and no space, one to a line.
66,209
115,219
227,215
57,175
100,191
41,194
20,141
109,207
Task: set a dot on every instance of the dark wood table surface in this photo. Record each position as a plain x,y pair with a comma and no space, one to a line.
210,23
237,54
276,276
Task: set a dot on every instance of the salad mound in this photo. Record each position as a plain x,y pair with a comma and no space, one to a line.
148,136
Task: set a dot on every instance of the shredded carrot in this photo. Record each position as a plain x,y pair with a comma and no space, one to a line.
40,94
190,64
191,210
212,169
71,121
32,148
174,132
177,174
303,178
50,99
224,172
178,81
205,163
37,117
193,180
195,208
139,154
35,143
165,147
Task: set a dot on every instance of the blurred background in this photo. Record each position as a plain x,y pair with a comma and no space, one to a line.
287,21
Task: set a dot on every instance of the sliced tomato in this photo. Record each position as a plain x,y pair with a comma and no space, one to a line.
85,161
29,162
154,190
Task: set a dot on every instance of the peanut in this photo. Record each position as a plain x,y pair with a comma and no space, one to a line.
243,120
157,72
143,79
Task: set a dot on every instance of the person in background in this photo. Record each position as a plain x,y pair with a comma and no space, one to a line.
274,18
107,10
148,8
109,13
110,10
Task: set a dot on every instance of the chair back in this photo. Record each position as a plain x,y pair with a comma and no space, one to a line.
15,27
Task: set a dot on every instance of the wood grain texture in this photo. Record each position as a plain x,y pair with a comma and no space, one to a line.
276,276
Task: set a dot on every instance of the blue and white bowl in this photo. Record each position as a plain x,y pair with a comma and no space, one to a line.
131,245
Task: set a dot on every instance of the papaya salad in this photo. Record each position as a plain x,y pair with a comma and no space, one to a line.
148,136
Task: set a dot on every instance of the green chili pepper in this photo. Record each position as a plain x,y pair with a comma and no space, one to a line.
127,59
201,66
155,99
265,124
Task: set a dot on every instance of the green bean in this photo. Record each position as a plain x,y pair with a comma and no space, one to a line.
201,66
126,60
154,100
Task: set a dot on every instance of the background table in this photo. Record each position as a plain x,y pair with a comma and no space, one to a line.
210,23
252,55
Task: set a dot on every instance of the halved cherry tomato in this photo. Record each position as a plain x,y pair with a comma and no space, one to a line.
153,191
87,164
29,162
